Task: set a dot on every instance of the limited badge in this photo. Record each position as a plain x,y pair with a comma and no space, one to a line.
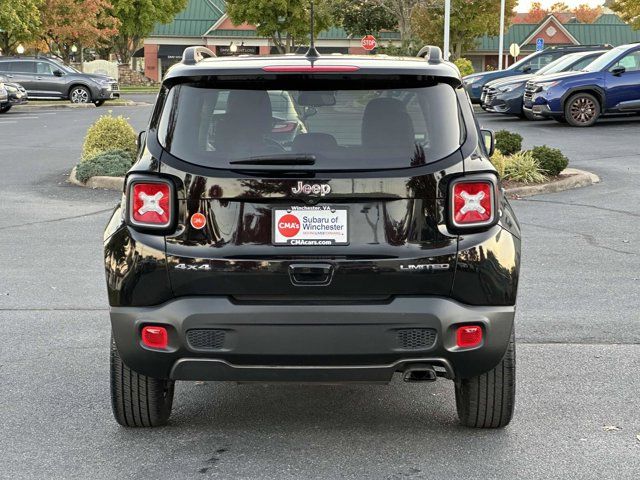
198,221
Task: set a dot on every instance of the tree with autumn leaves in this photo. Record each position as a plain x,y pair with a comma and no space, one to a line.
285,22
137,19
583,12
57,25
469,20
19,22
629,10
83,23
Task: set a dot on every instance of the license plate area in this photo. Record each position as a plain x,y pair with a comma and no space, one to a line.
318,225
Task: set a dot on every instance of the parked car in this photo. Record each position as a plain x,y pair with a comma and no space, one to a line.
505,95
377,242
16,95
4,95
608,85
530,64
47,78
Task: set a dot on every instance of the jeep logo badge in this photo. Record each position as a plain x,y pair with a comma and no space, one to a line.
321,189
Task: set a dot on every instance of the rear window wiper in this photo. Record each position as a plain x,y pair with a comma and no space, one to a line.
277,159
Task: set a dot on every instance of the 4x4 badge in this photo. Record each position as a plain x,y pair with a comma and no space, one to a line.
321,189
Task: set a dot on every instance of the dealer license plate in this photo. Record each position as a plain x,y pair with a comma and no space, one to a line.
311,226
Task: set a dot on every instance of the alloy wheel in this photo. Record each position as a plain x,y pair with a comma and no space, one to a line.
79,95
583,110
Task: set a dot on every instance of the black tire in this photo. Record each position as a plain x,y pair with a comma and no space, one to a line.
99,103
138,400
528,115
582,110
79,94
5,109
487,401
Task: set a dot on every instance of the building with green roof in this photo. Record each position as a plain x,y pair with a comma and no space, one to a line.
204,22
608,29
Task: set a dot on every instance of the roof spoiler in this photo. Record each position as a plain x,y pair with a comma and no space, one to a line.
193,55
431,53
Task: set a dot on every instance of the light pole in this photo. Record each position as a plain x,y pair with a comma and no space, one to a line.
501,46
447,27
20,49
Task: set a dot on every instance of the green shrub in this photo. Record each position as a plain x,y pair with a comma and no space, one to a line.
551,160
114,163
500,162
109,133
465,66
522,167
508,142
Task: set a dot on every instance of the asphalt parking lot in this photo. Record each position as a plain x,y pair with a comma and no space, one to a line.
578,332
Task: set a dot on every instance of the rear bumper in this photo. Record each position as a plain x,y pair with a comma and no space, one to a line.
306,343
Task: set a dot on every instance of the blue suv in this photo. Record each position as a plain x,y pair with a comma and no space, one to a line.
609,85
531,64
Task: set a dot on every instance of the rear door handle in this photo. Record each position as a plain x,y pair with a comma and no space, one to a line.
311,274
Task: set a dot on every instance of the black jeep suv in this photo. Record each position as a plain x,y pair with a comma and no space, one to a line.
377,241
47,78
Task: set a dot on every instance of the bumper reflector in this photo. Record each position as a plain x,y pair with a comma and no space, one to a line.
469,336
155,337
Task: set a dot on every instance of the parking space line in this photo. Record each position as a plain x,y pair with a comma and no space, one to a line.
2,122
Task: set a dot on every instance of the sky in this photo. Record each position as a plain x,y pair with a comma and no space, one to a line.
523,5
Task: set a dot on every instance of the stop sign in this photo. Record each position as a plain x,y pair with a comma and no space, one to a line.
369,43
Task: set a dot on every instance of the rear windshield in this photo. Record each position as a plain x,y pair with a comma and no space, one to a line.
342,124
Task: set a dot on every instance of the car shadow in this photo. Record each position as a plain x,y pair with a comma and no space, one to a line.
218,426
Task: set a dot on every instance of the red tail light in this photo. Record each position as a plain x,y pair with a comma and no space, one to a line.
473,203
150,203
155,337
469,336
284,127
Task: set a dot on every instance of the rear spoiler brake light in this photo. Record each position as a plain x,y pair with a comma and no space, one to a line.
310,68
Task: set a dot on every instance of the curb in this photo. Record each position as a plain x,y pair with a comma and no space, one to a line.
35,105
577,179
104,183
62,104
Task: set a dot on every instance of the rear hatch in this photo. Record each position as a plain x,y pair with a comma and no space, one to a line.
350,208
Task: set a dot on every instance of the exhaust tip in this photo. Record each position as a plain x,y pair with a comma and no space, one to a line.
419,373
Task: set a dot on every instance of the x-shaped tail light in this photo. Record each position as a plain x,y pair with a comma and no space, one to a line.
472,203
151,203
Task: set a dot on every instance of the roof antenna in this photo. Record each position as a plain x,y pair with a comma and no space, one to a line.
312,53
